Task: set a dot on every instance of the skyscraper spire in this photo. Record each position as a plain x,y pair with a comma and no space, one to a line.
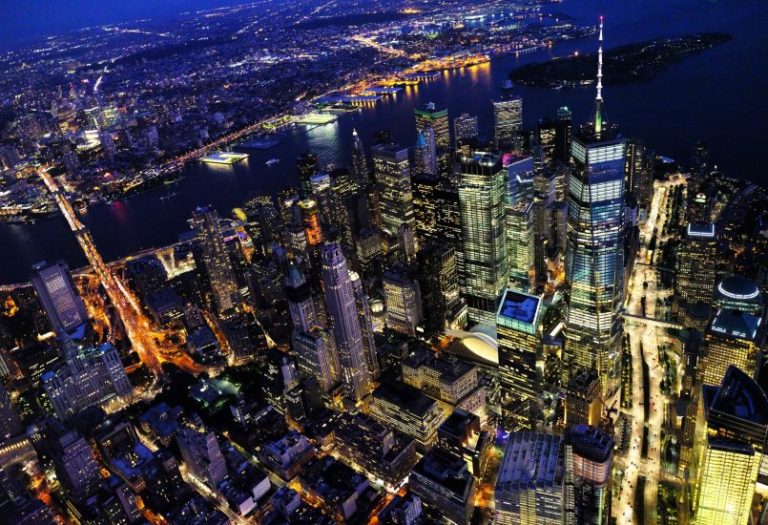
598,119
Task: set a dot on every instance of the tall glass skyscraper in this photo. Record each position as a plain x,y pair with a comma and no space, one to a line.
55,289
393,176
482,201
343,318
594,262
519,223
205,222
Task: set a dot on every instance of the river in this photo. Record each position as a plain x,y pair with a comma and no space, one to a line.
718,96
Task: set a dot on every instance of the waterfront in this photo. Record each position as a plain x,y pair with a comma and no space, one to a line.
690,101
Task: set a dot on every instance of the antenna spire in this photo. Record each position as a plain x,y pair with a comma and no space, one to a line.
598,120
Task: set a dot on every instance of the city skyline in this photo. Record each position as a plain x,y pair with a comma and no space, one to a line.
509,308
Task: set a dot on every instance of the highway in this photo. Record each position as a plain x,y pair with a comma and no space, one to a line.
645,339
152,345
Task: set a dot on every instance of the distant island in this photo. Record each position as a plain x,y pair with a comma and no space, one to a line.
629,63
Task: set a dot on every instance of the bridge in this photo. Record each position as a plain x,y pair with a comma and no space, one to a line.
152,346
652,321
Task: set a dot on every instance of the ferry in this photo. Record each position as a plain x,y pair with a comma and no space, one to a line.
271,162
224,157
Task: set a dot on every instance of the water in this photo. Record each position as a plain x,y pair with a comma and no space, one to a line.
718,97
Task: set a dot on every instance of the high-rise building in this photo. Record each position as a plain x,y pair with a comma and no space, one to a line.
519,223
594,262
589,453
345,322
425,152
430,116
87,377
583,399
300,302
306,166
639,168
403,297
76,468
553,137
733,338
518,328
310,216
202,455
696,264
360,172
56,291
439,284
404,408
316,356
507,121
365,316
10,424
443,482
465,128
730,442
735,292
531,487
392,173
482,202
205,222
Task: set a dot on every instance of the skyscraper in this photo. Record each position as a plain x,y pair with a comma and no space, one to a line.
73,459
306,166
430,116
360,173
594,262
55,289
507,121
530,488
205,222
366,324
482,201
300,303
519,223
589,452
390,166
403,297
730,442
439,284
425,152
696,264
344,320
518,328
316,356
10,424
465,127
732,338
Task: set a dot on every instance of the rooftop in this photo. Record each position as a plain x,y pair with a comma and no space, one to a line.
733,323
740,396
405,397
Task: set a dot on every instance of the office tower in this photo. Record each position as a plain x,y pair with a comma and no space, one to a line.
482,202
379,450
583,401
730,441
589,453
403,297
366,324
300,302
87,377
430,116
202,455
518,328
594,262
343,319
360,173
739,293
465,128
439,285
316,356
553,137
443,482
519,223
507,121
639,168
56,291
10,424
368,251
696,264
390,167
306,166
425,196
425,152
76,468
405,409
310,216
733,338
531,487
205,222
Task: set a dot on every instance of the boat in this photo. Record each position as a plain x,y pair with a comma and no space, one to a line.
224,157
271,162
260,143
168,196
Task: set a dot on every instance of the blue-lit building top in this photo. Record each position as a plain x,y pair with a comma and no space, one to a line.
736,324
519,311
